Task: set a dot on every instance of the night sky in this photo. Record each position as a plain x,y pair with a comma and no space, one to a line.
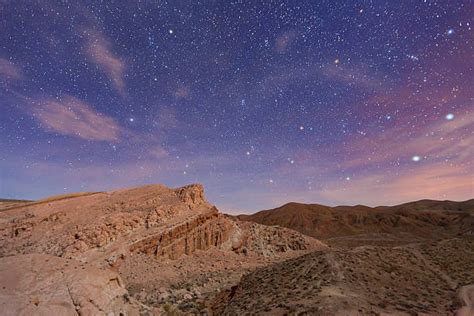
263,102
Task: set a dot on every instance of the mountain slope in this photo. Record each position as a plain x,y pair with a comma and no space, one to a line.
169,246
9,203
424,219
425,279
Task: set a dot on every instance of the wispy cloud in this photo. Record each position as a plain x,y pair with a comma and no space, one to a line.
441,140
283,41
376,169
9,71
158,152
182,92
353,75
71,116
99,51
431,181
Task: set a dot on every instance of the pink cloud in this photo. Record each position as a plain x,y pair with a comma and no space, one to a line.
283,41
98,49
158,152
71,116
182,92
9,71
352,74
380,169
431,181
439,140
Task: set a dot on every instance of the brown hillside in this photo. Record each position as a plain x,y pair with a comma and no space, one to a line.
161,248
424,279
424,219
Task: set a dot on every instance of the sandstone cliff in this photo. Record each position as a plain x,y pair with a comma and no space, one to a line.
135,232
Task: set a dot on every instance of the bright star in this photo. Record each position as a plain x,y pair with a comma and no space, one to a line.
170,31
449,116
131,119
348,178
301,127
416,158
450,32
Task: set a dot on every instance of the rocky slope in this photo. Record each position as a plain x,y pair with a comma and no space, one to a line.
152,236
48,285
424,279
154,250
8,203
417,220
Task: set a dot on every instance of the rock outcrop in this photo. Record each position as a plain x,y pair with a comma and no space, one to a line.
191,195
199,233
78,240
47,285
128,219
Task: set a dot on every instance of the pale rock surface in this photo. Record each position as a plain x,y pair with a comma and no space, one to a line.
46,285
152,236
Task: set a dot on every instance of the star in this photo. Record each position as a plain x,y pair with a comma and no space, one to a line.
345,92
449,116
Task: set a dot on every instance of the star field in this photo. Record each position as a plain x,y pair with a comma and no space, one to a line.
264,102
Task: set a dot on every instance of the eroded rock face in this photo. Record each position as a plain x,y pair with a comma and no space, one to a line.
191,195
153,236
47,285
79,226
199,233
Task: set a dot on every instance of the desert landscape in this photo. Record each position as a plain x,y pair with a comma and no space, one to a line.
153,250
238,157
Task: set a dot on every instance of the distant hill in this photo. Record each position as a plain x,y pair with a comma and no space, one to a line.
425,218
9,203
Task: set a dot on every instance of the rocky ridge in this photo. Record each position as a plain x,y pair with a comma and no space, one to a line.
134,232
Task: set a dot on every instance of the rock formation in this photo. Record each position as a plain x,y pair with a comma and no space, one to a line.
78,238
48,285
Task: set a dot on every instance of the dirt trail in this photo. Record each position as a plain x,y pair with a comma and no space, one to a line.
433,267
